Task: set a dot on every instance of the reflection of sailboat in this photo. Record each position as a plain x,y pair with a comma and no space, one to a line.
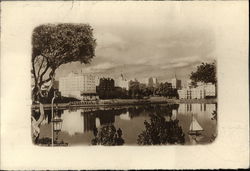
195,128
195,139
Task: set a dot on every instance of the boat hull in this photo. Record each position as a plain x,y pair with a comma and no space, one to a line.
194,133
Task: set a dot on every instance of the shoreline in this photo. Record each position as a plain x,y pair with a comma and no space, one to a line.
124,102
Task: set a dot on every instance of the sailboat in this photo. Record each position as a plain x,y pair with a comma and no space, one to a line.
195,128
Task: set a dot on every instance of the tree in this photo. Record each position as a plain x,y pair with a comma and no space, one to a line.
206,72
134,88
159,131
166,90
53,46
106,88
107,135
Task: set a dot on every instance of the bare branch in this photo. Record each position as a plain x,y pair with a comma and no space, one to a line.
51,75
41,77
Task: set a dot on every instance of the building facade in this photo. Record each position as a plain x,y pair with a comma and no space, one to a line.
122,82
153,82
176,84
200,92
106,84
75,84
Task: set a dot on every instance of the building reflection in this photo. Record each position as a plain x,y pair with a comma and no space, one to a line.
196,108
89,121
174,114
125,116
85,120
78,123
72,122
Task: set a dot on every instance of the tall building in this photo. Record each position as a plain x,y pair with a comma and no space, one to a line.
176,83
152,82
122,82
106,84
75,84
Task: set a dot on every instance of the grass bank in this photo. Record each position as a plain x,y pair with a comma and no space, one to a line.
121,102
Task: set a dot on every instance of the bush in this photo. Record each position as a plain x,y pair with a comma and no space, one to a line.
159,131
108,135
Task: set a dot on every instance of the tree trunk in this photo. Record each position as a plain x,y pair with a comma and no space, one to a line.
37,123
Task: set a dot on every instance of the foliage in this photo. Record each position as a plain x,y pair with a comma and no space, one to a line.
107,135
139,90
206,72
55,45
58,99
134,89
106,88
159,131
166,90
47,141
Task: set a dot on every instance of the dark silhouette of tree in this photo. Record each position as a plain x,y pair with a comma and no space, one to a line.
134,88
159,131
53,46
106,88
107,135
206,72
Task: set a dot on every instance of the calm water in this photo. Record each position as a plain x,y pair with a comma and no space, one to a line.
78,124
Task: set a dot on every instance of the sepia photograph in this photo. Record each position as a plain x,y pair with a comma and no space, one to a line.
123,87
142,84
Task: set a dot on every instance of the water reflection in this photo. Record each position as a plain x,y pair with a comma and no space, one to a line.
201,114
125,116
73,122
79,124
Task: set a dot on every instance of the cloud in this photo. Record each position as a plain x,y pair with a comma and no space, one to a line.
109,41
98,67
150,49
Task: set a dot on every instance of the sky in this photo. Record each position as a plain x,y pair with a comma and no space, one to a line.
148,42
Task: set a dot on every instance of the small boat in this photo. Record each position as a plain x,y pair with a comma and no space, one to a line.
195,128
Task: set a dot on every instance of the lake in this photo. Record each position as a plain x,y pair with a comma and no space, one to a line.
79,124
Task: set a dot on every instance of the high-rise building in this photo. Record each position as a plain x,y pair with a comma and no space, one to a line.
122,82
152,82
75,84
176,83
106,84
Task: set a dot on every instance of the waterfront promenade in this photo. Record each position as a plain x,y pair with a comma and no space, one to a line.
122,102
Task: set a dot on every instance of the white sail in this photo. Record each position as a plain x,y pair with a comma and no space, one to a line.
195,126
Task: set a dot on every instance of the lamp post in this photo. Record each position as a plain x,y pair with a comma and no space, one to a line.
57,123
56,94
52,119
